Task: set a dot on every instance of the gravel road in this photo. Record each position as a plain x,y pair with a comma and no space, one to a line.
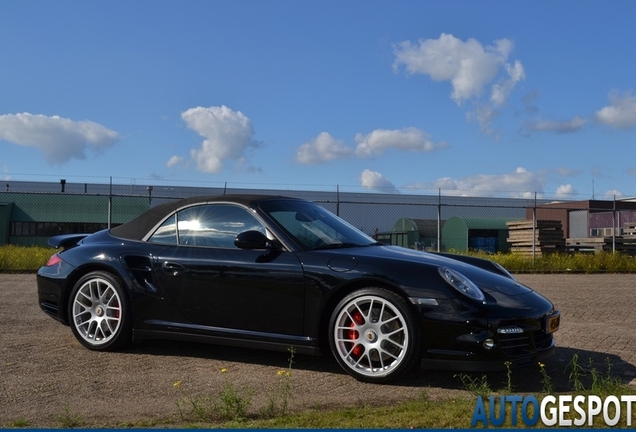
46,374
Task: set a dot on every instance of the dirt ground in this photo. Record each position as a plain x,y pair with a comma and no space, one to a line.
47,375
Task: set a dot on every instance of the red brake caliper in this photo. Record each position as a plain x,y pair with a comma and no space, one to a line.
116,314
353,334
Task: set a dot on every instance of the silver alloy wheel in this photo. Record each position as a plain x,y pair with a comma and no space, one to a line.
97,311
371,336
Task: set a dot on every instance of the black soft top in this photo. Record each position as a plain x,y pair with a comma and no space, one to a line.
137,228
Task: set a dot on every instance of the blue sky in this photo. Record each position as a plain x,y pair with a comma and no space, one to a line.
476,98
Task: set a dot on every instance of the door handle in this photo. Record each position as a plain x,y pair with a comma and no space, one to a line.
173,269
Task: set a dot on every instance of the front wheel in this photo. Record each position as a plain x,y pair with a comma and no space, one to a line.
98,312
373,335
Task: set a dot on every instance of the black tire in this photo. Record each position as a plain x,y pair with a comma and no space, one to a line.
374,336
99,314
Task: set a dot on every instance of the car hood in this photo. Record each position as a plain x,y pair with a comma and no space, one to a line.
487,280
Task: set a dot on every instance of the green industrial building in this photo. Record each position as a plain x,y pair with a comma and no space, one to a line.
458,234
461,234
29,219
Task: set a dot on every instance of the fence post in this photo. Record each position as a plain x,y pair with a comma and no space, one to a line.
337,200
439,220
614,225
110,202
534,230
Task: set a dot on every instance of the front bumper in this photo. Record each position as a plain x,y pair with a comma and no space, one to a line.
469,343
467,362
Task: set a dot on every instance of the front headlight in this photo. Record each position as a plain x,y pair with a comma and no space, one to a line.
462,284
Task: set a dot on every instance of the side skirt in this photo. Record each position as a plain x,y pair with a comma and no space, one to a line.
304,346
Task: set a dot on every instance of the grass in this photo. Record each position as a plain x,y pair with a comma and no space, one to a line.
453,410
602,262
23,259
422,413
29,259
417,414
230,407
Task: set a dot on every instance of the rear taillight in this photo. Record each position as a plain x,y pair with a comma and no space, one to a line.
55,259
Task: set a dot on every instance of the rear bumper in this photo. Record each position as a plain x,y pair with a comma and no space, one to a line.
50,285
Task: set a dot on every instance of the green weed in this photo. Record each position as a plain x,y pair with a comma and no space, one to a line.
280,395
234,402
20,423
605,384
508,377
68,420
576,373
477,386
546,380
231,403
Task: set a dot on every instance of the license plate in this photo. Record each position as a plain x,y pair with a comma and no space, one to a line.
553,323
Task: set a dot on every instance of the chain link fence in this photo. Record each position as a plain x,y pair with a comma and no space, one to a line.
31,212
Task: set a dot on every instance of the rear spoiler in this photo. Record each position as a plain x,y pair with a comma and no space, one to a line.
66,241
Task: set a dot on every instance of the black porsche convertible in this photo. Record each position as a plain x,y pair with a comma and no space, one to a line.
273,272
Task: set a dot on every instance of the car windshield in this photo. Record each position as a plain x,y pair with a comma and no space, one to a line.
313,227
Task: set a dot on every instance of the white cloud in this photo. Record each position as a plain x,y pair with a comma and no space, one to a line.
323,148
174,161
614,193
408,139
468,66
621,113
484,114
519,184
59,139
227,133
558,126
376,181
500,92
565,192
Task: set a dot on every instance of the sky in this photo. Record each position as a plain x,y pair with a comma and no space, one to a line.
459,97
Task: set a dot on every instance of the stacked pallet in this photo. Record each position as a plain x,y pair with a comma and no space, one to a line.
602,244
543,238
588,244
625,243
629,238
629,229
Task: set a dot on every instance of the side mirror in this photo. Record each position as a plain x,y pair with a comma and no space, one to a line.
252,240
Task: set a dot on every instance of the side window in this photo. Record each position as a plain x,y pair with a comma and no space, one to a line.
166,233
214,225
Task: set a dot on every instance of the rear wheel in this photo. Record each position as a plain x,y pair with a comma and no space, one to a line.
98,312
373,335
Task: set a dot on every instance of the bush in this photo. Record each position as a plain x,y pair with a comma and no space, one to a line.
23,258
30,259
603,262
